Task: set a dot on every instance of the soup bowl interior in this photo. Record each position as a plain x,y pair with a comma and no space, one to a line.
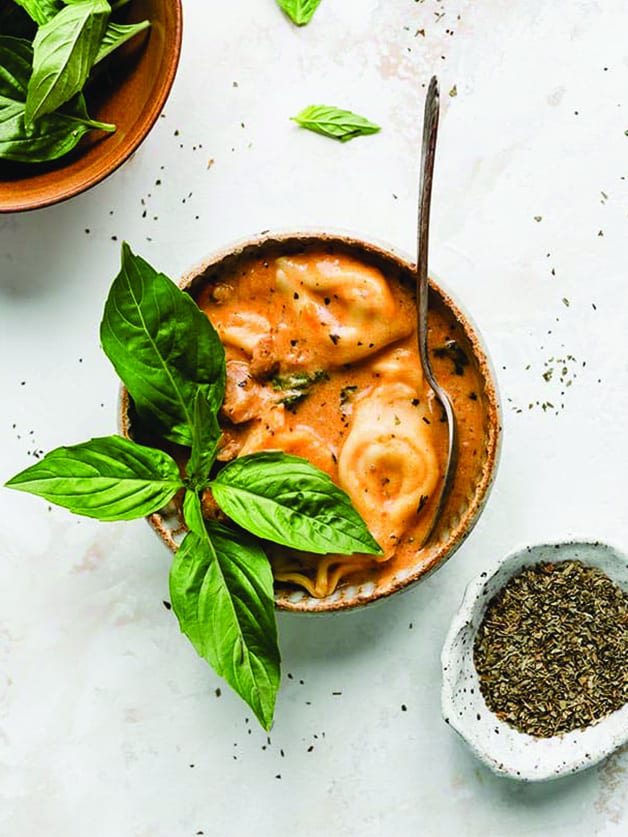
460,363
130,93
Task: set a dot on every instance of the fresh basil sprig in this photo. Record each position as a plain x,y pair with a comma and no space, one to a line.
299,11
334,122
43,114
52,135
170,357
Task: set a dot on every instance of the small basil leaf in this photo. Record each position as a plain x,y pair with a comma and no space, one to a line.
109,478
287,500
117,34
299,11
41,11
333,122
206,434
221,589
16,56
51,137
193,513
65,49
163,348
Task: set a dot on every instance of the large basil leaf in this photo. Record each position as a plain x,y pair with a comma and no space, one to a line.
299,11
163,348
65,49
117,34
287,500
221,589
41,11
109,478
54,134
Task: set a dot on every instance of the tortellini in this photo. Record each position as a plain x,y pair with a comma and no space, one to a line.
346,303
388,464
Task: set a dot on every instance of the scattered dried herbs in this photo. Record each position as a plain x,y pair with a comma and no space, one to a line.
552,649
455,353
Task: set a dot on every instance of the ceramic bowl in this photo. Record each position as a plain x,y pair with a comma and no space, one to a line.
498,745
131,94
461,513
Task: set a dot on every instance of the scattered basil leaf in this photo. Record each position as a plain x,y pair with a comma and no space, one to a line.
163,348
299,11
117,34
109,478
41,11
221,589
206,434
54,134
287,500
333,122
65,49
193,513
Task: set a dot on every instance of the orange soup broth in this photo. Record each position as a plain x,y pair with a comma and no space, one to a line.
327,407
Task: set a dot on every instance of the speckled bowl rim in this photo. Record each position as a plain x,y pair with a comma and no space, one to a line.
463,627
63,192
349,597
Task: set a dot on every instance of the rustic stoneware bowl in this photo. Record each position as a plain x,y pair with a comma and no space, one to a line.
498,745
131,94
460,515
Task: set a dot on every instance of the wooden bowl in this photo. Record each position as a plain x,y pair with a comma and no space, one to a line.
466,502
131,94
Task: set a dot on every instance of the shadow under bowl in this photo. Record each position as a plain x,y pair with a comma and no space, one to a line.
467,499
130,93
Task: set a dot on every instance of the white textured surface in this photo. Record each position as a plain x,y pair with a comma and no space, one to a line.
104,707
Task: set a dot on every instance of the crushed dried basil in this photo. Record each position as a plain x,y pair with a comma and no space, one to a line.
454,352
552,649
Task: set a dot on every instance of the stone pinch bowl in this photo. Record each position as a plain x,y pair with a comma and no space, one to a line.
131,93
458,519
498,745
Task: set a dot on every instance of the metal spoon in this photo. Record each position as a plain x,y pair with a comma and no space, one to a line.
430,127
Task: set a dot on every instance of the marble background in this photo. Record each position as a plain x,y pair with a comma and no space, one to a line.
110,726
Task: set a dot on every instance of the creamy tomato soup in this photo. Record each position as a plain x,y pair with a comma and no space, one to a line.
322,363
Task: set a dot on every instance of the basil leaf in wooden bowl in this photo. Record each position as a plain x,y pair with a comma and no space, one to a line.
82,85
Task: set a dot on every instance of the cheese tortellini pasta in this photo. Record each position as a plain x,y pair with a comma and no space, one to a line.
322,363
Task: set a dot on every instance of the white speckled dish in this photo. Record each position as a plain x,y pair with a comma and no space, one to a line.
501,747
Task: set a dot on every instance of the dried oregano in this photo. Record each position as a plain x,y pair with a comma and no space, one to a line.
552,649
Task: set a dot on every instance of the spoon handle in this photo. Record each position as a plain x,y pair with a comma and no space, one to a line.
428,152
430,127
